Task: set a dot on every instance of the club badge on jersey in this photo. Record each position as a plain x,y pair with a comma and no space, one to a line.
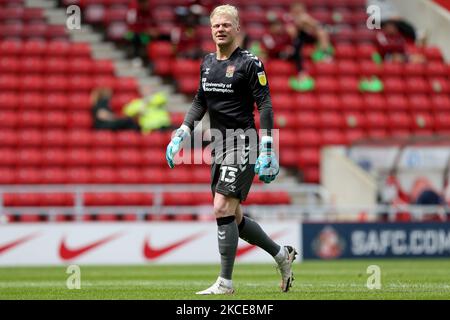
230,71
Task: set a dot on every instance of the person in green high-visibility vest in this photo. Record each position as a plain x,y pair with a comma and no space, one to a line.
149,111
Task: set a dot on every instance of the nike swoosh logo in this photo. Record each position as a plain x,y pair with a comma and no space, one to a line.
152,253
249,247
70,253
17,242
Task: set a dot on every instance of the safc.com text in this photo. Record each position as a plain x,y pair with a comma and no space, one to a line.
400,242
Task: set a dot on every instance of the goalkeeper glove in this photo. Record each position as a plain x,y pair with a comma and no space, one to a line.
266,165
175,144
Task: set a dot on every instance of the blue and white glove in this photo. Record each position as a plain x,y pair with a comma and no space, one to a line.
175,144
267,166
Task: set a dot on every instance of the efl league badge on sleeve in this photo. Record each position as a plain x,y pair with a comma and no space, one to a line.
230,71
262,78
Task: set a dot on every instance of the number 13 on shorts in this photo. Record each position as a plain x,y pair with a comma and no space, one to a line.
228,174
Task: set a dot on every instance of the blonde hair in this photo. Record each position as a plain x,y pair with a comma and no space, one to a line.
232,11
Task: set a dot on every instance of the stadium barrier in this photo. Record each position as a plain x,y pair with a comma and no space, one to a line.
127,243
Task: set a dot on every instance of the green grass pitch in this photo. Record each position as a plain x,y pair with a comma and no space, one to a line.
344,279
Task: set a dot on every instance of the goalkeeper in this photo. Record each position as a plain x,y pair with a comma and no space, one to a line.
231,81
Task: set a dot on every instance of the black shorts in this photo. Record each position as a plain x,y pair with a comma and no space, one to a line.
232,172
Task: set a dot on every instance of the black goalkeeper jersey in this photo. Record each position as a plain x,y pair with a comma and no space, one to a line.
228,90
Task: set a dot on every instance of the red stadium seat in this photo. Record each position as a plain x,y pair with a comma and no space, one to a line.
9,82
8,100
54,138
11,47
153,176
417,85
80,120
397,102
279,67
79,138
400,120
7,176
394,85
326,69
288,138
8,157
163,66
344,51
29,176
30,138
414,70
104,156
80,49
56,101
54,175
79,101
79,157
392,69
352,101
129,156
375,102
159,49
348,84
306,102
188,85
348,68
56,66
369,68
329,102
283,102
331,120
354,135
78,175
309,157
9,119
54,157
311,174
442,121
8,137
440,102
103,138
104,175
309,138
326,85
128,175
285,120
58,48
419,102
100,199
333,137
34,48
376,120
9,65
422,121
29,157
102,67
308,119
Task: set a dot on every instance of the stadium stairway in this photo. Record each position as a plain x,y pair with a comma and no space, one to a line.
103,48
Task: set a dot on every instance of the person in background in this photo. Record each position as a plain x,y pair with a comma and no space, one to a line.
277,44
150,112
103,115
304,29
185,38
392,45
141,29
